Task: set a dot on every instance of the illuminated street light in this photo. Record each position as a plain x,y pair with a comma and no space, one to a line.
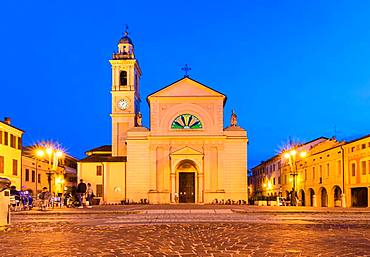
59,154
303,154
292,160
293,152
54,154
40,153
49,151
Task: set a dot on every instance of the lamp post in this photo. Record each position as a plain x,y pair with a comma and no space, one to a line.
53,155
37,174
291,156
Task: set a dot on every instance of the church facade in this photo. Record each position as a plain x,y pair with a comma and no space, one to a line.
186,156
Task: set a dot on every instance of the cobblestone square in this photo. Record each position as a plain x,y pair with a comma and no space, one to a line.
187,232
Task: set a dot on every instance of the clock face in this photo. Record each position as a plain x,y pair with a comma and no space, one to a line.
123,104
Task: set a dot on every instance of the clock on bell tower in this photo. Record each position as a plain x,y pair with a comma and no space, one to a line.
125,92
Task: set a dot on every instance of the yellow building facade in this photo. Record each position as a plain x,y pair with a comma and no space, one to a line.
320,175
185,156
10,152
332,174
357,172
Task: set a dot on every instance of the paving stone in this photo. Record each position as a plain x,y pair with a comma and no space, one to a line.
188,233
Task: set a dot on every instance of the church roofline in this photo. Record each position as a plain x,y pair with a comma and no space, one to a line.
104,149
104,158
186,77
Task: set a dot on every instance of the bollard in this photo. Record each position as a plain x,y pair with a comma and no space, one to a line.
4,203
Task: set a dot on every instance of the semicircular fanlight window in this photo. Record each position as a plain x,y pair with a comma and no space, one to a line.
186,121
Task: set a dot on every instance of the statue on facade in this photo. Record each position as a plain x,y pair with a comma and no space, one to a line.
233,119
139,119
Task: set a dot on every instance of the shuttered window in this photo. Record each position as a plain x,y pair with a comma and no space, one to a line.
353,169
27,175
6,138
99,170
363,167
1,164
19,143
12,140
15,167
33,177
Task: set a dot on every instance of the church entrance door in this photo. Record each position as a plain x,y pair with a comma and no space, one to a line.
187,187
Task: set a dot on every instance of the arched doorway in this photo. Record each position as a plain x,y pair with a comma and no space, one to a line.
337,195
187,183
311,195
302,197
324,197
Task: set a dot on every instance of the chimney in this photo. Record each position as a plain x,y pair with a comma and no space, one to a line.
7,120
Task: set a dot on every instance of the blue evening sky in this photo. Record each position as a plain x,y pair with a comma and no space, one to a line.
289,68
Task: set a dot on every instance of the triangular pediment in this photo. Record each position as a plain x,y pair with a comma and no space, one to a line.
187,151
187,87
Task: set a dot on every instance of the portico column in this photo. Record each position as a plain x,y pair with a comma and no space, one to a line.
314,204
173,186
221,171
343,199
200,187
331,201
153,168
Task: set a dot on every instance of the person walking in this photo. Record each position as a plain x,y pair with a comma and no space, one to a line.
293,197
81,191
45,197
89,195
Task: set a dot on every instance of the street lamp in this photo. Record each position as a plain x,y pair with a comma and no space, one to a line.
53,155
291,156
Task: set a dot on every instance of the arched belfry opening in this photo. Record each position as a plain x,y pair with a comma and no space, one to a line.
187,181
123,78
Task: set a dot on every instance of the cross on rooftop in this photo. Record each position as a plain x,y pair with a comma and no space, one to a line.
126,30
186,69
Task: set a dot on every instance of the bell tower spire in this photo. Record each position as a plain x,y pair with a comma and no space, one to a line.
125,92
125,46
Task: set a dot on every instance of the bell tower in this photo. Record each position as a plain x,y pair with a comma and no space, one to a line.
125,92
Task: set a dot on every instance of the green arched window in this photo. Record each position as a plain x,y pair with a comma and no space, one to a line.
186,121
